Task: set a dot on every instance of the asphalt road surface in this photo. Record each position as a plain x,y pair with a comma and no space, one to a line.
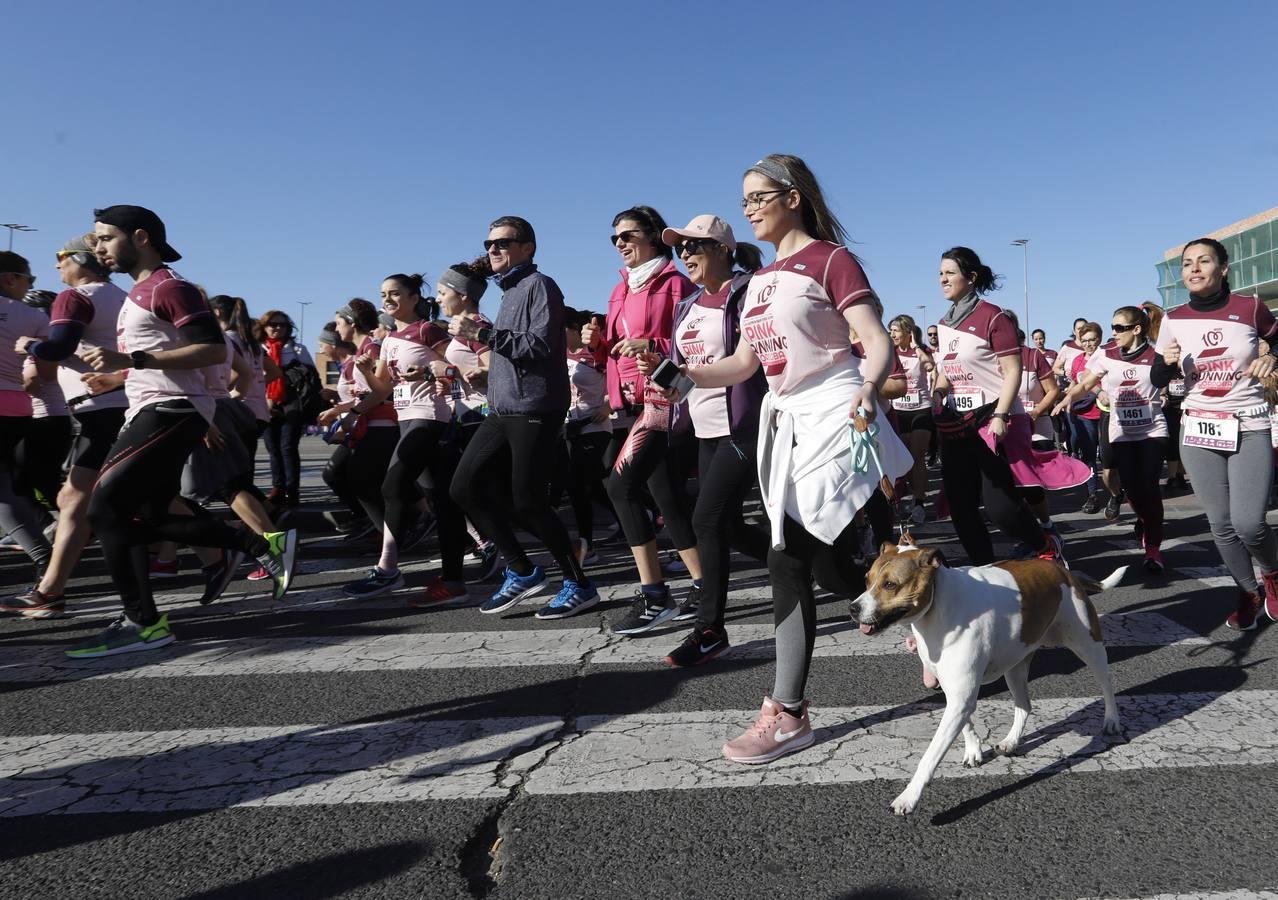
323,747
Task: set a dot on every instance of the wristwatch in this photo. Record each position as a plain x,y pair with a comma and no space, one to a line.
999,415
139,358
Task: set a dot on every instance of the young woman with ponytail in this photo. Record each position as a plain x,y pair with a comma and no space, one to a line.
987,455
426,443
795,323
1213,342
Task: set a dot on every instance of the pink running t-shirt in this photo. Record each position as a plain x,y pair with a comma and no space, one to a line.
418,344
700,340
793,313
969,357
1135,407
1216,347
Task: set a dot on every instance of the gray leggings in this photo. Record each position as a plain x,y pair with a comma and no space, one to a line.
1237,516
18,514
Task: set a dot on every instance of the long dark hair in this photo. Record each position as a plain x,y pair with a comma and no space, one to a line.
652,224
233,313
426,307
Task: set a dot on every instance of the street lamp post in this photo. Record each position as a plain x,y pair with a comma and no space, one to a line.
1023,243
922,308
301,320
14,226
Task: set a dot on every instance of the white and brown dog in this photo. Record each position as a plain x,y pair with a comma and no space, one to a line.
975,625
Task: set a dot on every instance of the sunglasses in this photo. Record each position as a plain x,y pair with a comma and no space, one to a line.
630,237
693,247
276,324
1120,328
501,243
27,275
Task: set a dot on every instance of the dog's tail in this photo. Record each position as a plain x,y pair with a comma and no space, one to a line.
1090,585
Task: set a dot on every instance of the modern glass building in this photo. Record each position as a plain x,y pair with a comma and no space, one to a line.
1253,261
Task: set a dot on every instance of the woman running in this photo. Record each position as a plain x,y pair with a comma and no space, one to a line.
640,314
725,421
987,455
1213,342
43,451
343,429
1137,429
246,336
1085,416
914,408
795,323
1039,392
426,444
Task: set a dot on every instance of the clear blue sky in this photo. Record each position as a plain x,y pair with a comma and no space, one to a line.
305,150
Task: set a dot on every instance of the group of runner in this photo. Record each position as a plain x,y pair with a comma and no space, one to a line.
780,377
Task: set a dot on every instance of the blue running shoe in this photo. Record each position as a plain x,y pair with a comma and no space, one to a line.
571,599
513,589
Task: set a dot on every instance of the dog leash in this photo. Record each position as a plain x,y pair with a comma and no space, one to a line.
863,437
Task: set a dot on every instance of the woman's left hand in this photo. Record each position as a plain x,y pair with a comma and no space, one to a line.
631,347
1263,367
998,428
866,399
465,328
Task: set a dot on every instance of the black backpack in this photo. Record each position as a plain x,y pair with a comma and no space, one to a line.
305,393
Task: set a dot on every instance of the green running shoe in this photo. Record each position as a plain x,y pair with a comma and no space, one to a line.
279,559
124,636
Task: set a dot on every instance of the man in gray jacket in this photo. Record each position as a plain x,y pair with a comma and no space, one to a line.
528,396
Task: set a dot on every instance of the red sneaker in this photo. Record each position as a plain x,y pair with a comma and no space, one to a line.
439,591
1271,596
258,574
164,568
1244,619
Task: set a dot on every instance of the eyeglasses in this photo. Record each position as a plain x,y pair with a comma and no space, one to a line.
27,275
501,243
757,199
1120,328
630,237
693,247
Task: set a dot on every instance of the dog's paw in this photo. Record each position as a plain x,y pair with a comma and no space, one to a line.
973,759
1006,748
905,802
1115,731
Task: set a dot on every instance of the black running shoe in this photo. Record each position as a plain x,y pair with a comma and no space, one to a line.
220,574
688,606
1111,508
646,613
700,646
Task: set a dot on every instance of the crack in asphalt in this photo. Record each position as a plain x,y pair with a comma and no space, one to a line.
481,858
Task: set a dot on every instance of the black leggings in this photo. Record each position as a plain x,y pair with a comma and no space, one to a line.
130,504
1172,413
793,602
580,474
337,475
726,472
40,455
962,459
425,446
503,478
648,459
1140,465
369,460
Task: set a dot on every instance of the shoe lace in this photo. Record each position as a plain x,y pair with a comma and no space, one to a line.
765,723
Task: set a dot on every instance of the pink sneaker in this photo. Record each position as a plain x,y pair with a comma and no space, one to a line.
775,734
1244,618
1271,596
164,568
258,574
1154,564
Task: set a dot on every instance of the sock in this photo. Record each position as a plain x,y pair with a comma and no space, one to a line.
796,711
655,591
696,583
522,567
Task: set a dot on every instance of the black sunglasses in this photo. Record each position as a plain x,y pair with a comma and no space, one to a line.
1121,329
502,243
276,324
695,246
630,237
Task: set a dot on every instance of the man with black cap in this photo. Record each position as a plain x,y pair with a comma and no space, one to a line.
167,334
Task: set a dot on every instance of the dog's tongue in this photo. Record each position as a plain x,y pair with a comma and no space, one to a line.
867,629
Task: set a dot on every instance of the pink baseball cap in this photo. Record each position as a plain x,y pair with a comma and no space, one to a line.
711,227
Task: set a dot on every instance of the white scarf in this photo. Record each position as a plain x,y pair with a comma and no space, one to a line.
642,273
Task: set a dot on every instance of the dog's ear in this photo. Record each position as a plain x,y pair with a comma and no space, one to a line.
932,557
907,539
887,549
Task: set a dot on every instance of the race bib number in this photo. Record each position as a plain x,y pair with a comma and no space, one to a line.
1213,430
912,400
403,395
1176,388
1134,415
967,399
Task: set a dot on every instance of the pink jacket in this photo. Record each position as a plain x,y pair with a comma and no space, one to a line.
648,313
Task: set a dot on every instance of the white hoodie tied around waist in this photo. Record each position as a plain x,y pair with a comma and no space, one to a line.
805,457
